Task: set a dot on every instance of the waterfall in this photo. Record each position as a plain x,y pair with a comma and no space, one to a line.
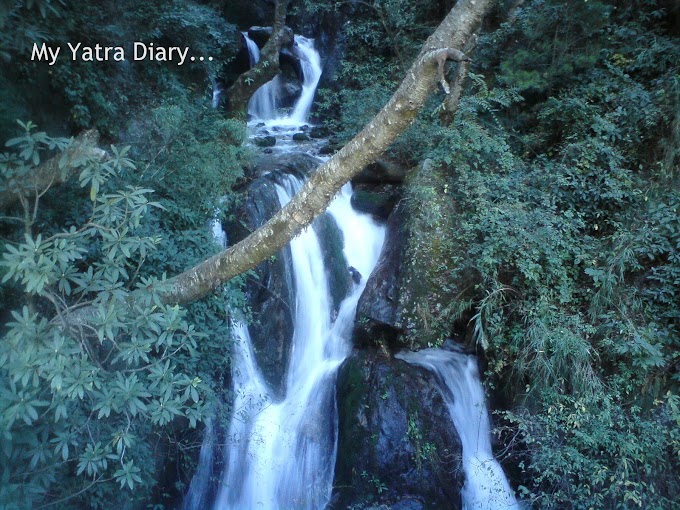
311,72
253,50
486,487
281,454
216,92
218,234
264,105
199,488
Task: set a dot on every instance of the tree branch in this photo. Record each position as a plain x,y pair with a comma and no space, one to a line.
421,79
246,84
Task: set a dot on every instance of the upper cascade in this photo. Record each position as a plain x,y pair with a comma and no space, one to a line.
265,106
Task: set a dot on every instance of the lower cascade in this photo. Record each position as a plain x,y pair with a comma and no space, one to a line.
486,487
280,454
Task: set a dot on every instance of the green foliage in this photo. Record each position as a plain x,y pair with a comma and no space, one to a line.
550,237
92,363
600,451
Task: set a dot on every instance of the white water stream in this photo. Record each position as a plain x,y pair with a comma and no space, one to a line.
264,105
486,487
282,453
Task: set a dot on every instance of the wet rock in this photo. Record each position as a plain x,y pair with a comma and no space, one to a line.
381,172
331,241
289,92
296,163
290,79
378,203
396,443
270,293
265,141
378,313
355,274
300,137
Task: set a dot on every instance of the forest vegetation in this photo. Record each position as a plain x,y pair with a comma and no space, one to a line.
547,236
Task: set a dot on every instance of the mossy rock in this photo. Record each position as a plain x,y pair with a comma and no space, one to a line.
265,141
426,291
396,440
380,203
332,244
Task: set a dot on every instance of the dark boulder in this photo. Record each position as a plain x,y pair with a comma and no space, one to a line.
397,445
301,137
270,291
381,172
378,203
265,141
378,314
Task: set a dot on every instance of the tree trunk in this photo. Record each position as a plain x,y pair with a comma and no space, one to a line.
245,85
445,43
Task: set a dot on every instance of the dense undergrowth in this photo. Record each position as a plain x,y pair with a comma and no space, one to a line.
559,214
557,240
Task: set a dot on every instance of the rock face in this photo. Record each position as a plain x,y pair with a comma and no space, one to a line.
410,299
396,443
270,292
378,315
339,275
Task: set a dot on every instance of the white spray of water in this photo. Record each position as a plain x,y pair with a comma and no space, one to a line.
282,453
311,72
486,487
264,105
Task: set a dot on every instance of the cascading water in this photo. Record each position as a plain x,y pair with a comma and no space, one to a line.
486,487
311,72
199,487
253,50
264,105
282,453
